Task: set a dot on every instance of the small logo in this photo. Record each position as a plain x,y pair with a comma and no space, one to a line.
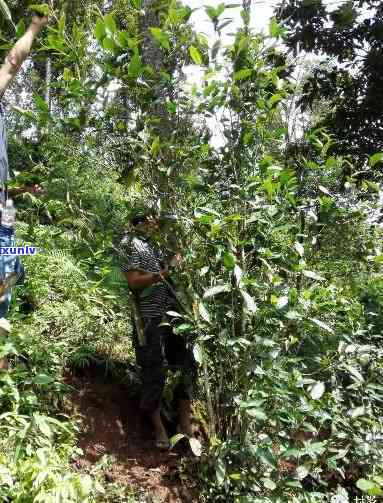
339,498
343,498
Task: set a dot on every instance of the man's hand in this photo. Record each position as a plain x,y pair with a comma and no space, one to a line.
164,273
38,22
138,280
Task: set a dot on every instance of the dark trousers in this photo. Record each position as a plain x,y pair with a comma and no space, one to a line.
163,350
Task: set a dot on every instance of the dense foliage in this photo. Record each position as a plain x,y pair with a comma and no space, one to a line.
349,38
281,281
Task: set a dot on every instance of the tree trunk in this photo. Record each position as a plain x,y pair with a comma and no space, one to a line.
153,56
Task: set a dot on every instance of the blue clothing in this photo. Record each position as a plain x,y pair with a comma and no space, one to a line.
8,264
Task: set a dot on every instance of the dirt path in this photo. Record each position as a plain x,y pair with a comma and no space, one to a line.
113,426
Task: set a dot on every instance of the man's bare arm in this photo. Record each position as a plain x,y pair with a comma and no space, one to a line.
20,52
138,280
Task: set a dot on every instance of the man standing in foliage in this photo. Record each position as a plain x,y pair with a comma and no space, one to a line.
146,267
8,71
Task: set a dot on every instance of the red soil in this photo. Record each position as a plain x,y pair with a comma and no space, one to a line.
113,425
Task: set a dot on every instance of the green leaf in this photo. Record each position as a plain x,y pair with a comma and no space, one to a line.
99,30
251,404
174,314
184,327
257,414
136,3
243,74
266,456
313,275
269,484
175,439
195,55
324,190
275,98
211,12
161,37
155,147
215,290
26,113
203,312
315,448
6,12
109,44
374,159
123,39
224,24
293,483
42,425
110,23
250,302
299,248
274,28
43,379
61,24
5,477
220,9
302,472
317,390
355,373
86,486
134,67
369,487
171,107
198,353
220,472
282,302
173,16
229,260
247,138
357,412
202,40
215,49
323,325
344,16
67,74
42,107
195,446
42,9
8,349
20,29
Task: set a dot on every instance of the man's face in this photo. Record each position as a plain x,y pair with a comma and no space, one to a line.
149,227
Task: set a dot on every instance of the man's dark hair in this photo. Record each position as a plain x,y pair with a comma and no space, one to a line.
138,219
